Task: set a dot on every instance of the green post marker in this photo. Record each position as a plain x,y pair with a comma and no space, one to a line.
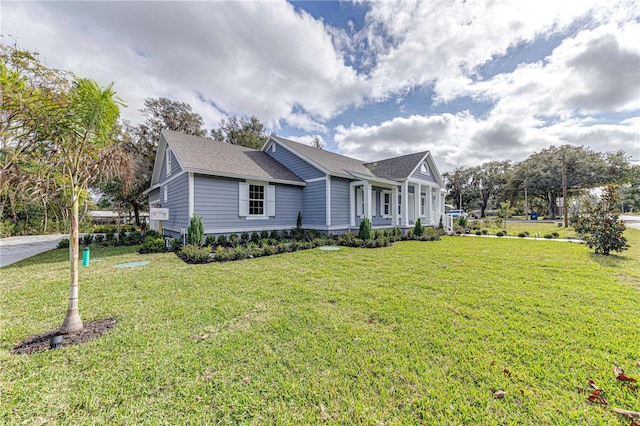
85,257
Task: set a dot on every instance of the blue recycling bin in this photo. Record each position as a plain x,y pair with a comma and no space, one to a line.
534,215
85,257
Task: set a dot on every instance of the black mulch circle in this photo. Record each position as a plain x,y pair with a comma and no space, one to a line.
41,342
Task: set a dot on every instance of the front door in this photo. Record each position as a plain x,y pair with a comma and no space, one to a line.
412,208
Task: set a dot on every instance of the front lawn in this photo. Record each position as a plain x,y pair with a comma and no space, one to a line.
416,333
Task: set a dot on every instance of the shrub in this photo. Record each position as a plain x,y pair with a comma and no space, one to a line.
500,234
98,238
255,237
274,235
195,232
418,229
222,240
522,234
244,237
152,233
364,233
478,232
195,254
233,239
64,243
485,231
498,222
264,235
210,241
110,236
87,239
548,236
462,221
132,238
152,245
555,234
176,244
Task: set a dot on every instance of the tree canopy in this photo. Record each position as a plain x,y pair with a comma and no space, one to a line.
249,132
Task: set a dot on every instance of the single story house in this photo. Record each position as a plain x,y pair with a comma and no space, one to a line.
236,189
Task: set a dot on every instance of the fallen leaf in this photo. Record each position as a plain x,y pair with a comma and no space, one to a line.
246,380
624,378
205,336
593,384
595,397
499,394
638,364
630,387
630,414
634,423
617,370
506,372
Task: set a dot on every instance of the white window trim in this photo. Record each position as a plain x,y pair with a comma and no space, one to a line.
424,168
360,202
168,161
423,205
268,201
165,191
383,195
399,205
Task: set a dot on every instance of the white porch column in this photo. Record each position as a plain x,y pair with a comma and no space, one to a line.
394,205
352,204
405,203
428,205
418,201
366,189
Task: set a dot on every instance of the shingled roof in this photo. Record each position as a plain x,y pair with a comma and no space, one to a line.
336,164
396,168
206,156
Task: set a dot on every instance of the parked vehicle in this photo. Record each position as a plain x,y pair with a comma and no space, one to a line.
457,213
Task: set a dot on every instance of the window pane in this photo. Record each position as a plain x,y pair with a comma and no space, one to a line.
256,199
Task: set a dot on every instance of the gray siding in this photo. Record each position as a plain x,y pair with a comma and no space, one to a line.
339,201
376,215
314,198
154,195
216,200
177,202
175,166
419,175
301,168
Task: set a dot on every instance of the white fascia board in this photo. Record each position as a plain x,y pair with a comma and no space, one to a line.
157,165
245,177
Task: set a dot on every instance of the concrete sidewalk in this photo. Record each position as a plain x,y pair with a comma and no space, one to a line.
14,249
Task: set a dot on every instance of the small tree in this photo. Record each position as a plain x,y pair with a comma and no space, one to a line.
418,229
602,225
195,232
364,233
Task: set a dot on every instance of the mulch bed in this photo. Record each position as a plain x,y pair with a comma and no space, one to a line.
40,342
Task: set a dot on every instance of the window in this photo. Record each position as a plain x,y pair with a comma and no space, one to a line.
385,204
424,168
273,148
359,202
399,205
168,161
423,203
256,200
166,193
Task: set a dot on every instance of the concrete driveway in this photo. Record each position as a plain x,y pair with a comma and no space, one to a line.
14,249
631,221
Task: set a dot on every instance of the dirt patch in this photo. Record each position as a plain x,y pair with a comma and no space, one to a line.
41,342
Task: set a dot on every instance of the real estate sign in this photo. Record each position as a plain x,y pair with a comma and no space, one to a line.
156,213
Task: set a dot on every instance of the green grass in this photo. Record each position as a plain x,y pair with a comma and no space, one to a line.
416,333
532,227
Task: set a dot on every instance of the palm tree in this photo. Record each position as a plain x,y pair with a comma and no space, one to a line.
80,142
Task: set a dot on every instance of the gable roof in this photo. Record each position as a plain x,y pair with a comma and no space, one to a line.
329,162
397,168
206,156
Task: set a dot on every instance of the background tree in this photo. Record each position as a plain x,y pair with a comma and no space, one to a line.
79,140
602,225
317,142
249,132
462,186
489,179
141,142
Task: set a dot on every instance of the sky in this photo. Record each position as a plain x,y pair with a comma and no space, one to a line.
470,81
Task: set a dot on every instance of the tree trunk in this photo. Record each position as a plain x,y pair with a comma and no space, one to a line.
136,213
72,322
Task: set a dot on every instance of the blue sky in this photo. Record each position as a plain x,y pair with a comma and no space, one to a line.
470,81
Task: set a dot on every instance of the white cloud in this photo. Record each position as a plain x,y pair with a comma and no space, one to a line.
258,58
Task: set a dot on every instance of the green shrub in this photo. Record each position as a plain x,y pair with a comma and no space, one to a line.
264,235
255,237
478,232
485,231
222,240
548,236
522,234
555,234
152,244
497,222
244,237
210,241
274,235
364,233
195,232
99,238
87,239
195,254
176,244
500,234
64,243
418,229
462,221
